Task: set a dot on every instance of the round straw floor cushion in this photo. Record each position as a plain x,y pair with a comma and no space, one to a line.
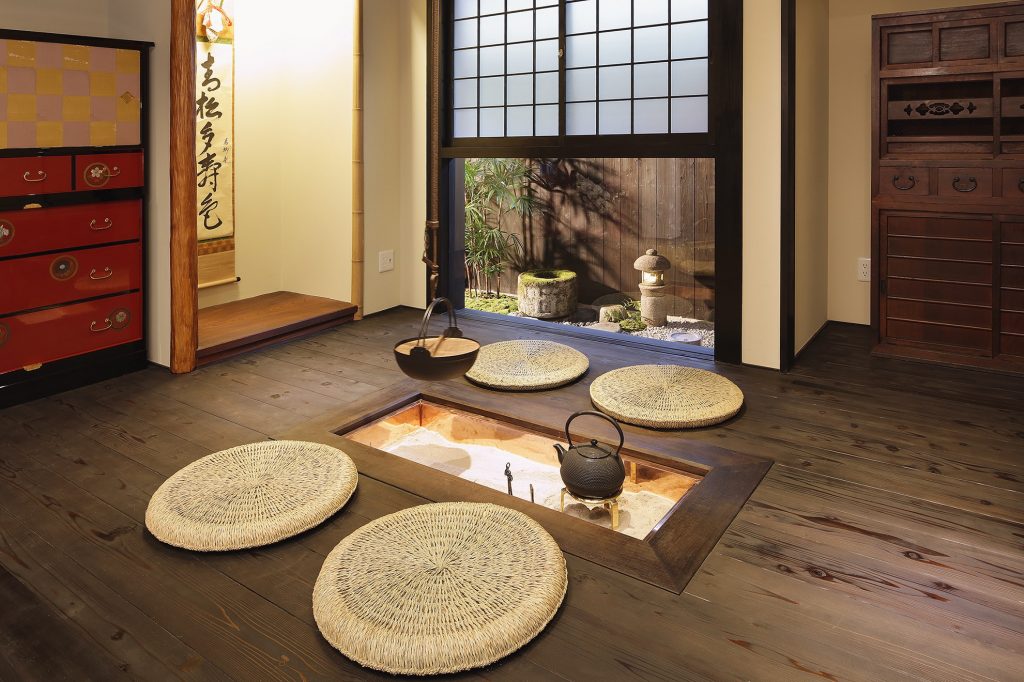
666,396
251,495
439,588
527,365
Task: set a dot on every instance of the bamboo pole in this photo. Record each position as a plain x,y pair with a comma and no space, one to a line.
358,201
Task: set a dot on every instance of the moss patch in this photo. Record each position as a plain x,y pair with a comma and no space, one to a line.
632,325
489,303
546,276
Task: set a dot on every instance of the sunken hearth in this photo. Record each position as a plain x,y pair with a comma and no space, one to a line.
682,494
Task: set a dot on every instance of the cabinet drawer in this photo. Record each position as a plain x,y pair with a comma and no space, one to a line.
109,171
966,183
910,182
58,333
40,281
1013,184
68,227
979,340
27,175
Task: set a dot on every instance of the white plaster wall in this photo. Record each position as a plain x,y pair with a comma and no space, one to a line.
812,153
762,158
394,140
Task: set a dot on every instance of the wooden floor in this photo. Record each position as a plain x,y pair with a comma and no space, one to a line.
238,326
887,542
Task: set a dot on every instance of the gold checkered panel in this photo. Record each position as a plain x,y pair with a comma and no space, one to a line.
57,95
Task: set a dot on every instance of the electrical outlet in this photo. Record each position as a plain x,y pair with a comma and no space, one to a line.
863,269
386,261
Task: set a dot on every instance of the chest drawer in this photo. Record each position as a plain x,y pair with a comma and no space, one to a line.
109,171
39,281
1013,184
58,333
27,175
965,183
908,182
66,227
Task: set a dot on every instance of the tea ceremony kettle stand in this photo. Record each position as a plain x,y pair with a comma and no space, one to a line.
609,503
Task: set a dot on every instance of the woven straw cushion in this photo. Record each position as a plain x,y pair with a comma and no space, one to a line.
527,365
666,396
439,588
251,495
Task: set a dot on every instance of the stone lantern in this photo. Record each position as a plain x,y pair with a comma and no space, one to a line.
653,304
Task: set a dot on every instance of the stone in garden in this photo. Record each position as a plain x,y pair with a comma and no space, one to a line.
547,294
606,327
613,313
584,314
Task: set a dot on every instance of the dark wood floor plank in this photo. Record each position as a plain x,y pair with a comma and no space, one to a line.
887,542
726,580
141,648
223,621
933,601
38,642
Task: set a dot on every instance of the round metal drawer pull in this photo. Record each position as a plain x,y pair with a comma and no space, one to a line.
92,326
108,275
99,174
41,174
904,188
970,188
107,224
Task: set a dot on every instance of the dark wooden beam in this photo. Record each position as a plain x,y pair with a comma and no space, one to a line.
184,257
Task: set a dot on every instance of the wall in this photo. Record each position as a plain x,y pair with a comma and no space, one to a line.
849,210
259,80
394,48
293,154
812,155
76,17
762,160
133,20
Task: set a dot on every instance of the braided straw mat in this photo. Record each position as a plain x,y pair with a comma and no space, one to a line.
251,495
527,365
439,588
666,396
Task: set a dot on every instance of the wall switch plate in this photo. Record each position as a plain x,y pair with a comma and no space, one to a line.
863,269
385,261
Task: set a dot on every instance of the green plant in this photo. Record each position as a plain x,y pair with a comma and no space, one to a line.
494,188
504,305
634,321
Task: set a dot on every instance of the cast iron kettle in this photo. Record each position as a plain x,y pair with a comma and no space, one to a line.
592,471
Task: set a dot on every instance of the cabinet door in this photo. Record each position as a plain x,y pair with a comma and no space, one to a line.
937,281
1011,289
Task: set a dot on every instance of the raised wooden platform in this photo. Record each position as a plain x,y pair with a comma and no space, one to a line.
239,326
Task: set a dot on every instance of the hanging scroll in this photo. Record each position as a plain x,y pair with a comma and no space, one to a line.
215,190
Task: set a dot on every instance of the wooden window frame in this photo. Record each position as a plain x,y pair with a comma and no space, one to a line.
723,142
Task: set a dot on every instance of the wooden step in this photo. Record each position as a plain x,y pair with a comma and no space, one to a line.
240,326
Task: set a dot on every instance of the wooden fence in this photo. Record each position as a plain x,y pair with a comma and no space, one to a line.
599,215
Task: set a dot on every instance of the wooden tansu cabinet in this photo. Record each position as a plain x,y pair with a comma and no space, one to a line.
948,186
72,211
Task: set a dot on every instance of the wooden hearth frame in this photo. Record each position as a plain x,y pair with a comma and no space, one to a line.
670,555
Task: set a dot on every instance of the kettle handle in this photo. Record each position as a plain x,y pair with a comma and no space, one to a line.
592,413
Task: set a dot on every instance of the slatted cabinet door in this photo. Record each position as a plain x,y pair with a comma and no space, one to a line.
937,280
1011,290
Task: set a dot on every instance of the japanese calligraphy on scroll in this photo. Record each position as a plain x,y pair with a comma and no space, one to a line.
215,207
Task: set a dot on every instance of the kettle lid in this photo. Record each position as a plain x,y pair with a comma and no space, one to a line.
594,450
